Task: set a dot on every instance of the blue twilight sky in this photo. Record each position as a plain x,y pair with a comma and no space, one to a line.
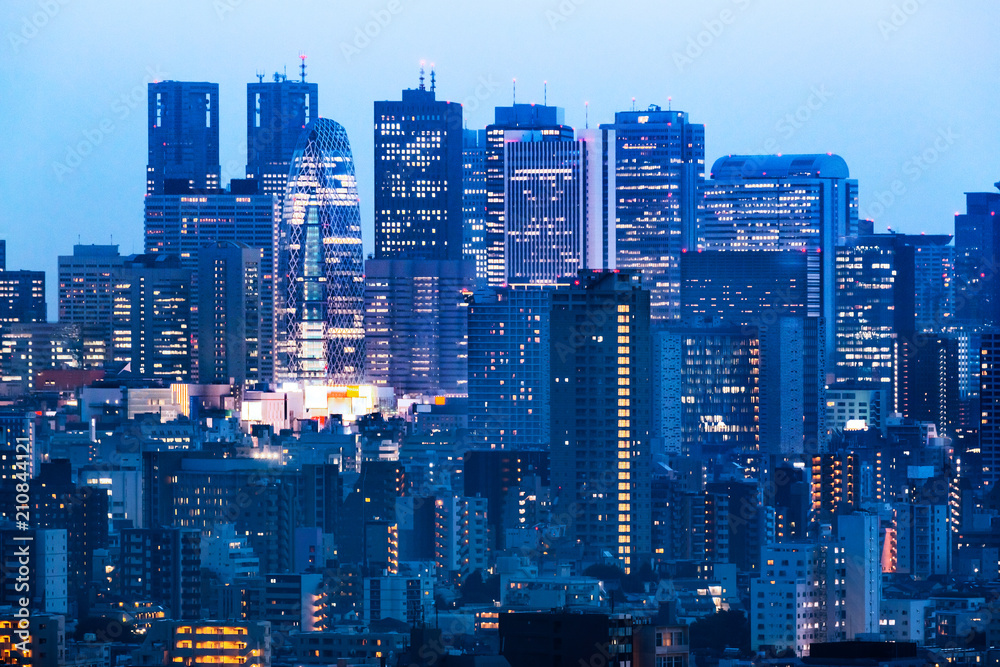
905,90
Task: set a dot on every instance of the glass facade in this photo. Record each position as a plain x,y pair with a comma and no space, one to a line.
660,169
321,274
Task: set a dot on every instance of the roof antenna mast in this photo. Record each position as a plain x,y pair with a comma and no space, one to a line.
513,88
302,67
545,94
422,75
433,83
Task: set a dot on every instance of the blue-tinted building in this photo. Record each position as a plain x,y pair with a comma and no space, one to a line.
277,113
474,201
547,120
508,368
183,134
418,177
787,203
320,282
659,159
22,296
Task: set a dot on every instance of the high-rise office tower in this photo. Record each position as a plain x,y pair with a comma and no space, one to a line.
874,308
183,122
601,412
22,296
977,258
717,393
182,222
29,347
86,289
800,203
320,285
151,318
509,368
774,295
418,177
541,118
989,405
474,201
416,324
659,169
558,214
935,283
277,112
229,309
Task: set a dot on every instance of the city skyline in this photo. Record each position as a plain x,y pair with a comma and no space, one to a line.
863,61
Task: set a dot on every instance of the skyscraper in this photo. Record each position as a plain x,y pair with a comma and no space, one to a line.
277,112
549,120
416,324
977,258
509,368
418,177
474,201
182,221
22,296
558,216
800,203
320,291
151,318
229,307
935,283
659,161
989,399
183,134
875,308
601,412
86,292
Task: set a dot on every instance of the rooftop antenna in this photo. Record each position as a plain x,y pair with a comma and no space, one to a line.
670,101
586,115
633,104
302,67
433,77
421,75
514,89
260,77
545,94
284,73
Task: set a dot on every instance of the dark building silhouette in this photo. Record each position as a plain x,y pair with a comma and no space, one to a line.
601,415
57,502
977,259
163,565
183,122
230,327
509,368
277,112
22,297
494,474
418,177
416,325
151,320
